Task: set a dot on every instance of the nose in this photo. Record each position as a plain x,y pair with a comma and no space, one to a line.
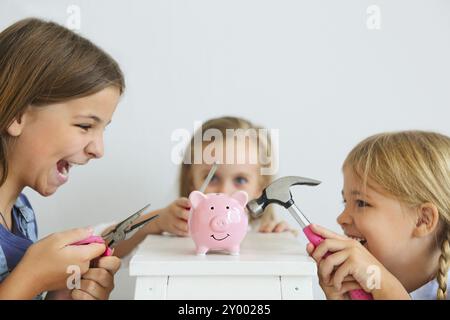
219,224
344,218
227,188
95,147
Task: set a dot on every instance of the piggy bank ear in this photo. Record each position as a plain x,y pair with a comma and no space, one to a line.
241,197
196,197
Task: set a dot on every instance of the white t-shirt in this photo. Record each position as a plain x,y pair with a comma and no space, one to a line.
428,290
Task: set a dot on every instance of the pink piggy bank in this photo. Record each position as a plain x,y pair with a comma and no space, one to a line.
218,221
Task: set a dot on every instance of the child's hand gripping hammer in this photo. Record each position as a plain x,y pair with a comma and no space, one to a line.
278,192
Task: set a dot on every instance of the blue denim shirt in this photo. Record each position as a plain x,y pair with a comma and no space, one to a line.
24,233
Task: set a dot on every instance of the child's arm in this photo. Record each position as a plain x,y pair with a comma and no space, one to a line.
172,219
19,285
390,289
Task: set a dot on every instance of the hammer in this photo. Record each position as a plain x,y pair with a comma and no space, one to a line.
279,192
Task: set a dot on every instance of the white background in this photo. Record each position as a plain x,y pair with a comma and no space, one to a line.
312,69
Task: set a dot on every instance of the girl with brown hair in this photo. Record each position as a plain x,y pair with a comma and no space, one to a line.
58,91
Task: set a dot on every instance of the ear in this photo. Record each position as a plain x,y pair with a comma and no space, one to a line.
427,220
241,197
196,197
16,127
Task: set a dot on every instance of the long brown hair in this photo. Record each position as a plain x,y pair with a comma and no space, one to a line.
414,167
222,124
43,63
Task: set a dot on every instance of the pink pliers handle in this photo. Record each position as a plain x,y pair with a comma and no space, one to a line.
95,239
315,239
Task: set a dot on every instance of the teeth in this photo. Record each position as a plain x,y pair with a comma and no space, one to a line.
358,239
64,167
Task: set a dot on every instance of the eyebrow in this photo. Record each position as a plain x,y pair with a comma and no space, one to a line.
356,193
244,174
93,117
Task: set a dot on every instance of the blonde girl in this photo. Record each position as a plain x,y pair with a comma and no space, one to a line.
228,179
396,220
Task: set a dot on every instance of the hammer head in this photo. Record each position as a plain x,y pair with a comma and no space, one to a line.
278,192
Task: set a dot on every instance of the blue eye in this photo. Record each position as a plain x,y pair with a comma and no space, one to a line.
240,180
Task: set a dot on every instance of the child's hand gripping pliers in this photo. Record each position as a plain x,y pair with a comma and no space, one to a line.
122,231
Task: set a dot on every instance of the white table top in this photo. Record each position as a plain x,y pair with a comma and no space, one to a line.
261,254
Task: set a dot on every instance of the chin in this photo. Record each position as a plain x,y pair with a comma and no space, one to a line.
47,191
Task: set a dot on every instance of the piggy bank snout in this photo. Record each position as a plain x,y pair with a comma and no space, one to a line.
219,223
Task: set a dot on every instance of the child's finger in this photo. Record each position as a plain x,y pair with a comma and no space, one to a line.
181,228
325,233
101,276
182,225
340,274
328,245
78,294
184,203
111,264
181,233
87,252
280,227
94,289
310,248
268,227
349,286
182,214
68,237
348,279
328,265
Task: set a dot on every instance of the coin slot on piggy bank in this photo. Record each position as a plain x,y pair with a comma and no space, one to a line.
217,221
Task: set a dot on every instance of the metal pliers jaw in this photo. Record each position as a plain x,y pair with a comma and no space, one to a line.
126,228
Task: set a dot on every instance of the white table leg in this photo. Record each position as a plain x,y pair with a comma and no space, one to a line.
296,288
224,287
151,288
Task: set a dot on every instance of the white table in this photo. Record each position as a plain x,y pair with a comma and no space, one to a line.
270,266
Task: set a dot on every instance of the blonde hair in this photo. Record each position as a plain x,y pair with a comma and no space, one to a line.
414,167
222,124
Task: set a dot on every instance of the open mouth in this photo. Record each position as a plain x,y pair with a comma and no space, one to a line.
220,239
359,239
63,168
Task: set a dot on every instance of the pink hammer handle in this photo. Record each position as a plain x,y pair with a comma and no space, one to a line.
315,239
94,239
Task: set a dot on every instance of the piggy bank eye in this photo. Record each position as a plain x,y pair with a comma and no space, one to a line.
212,208
228,207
